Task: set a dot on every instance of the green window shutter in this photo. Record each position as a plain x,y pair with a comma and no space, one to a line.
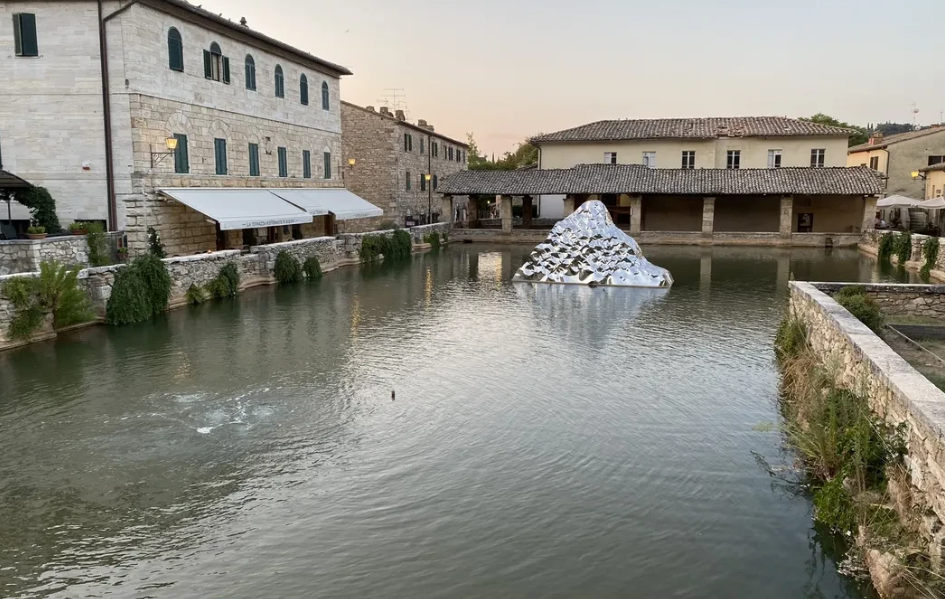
306,164
250,73
283,162
226,70
328,165
29,45
303,90
253,160
219,146
181,159
434,182
326,98
405,142
408,180
207,64
423,182
175,50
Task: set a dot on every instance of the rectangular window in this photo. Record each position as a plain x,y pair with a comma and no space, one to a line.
649,159
774,158
817,158
408,142
936,160
436,149
181,159
733,159
610,157
434,182
253,160
327,157
24,34
283,162
408,180
226,70
421,146
450,154
306,164
874,163
219,152
423,182
689,159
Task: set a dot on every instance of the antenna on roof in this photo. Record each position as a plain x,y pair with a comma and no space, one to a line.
395,99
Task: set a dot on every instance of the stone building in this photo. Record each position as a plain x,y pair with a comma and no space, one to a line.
387,160
898,156
243,109
691,143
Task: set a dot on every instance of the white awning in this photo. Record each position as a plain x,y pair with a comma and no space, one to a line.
934,204
897,202
338,201
239,208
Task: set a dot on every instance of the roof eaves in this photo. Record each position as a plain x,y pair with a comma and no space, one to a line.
408,125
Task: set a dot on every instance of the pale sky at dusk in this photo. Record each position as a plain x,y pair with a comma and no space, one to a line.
505,70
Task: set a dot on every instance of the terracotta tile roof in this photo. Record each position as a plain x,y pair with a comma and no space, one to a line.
894,139
935,167
638,179
206,14
700,128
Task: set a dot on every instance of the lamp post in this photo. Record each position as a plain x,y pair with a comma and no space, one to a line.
351,163
428,176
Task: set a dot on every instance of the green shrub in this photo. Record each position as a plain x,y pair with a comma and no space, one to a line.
393,247
387,225
196,295
401,245
903,247
930,252
55,291
863,308
154,243
312,268
140,291
226,284
791,337
850,291
433,239
287,269
34,230
98,244
887,244
42,208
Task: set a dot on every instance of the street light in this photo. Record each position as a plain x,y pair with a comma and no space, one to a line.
916,175
428,176
171,143
352,161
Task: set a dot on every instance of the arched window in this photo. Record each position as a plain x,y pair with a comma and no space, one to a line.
250,73
303,90
175,50
280,82
326,102
215,65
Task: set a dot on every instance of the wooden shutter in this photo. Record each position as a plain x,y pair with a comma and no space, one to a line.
219,146
328,165
181,159
207,64
434,182
253,160
24,34
226,70
306,164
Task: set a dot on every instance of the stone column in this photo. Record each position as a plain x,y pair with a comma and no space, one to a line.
569,206
526,212
708,216
869,214
446,209
505,211
787,217
636,214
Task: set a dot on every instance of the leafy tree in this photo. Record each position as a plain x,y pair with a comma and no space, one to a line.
42,207
860,137
524,155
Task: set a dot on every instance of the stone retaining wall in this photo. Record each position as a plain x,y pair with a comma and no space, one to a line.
869,243
896,392
899,300
418,233
350,243
25,255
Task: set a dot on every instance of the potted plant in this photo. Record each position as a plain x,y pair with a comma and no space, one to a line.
36,232
79,228
122,254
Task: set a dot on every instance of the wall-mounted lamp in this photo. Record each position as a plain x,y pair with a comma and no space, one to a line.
171,143
352,161
916,175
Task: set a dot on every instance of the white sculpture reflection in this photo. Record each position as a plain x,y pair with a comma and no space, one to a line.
587,248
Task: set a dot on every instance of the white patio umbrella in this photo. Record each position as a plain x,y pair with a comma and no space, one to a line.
897,202
934,204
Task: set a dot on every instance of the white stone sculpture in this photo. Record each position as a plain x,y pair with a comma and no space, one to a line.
587,248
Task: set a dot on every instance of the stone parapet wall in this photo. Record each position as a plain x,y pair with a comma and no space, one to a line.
926,301
672,238
418,233
25,255
350,243
897,393
326,249
869,243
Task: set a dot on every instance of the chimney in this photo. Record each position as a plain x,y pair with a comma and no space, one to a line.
243,22
400,115
371,108
876,137
385,111
421,123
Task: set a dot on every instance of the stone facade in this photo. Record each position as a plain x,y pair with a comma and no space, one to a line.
388,151
25,255
896,392
925,301
59,133
905,153
419,233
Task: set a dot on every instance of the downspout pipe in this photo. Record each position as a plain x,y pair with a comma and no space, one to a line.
107,112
